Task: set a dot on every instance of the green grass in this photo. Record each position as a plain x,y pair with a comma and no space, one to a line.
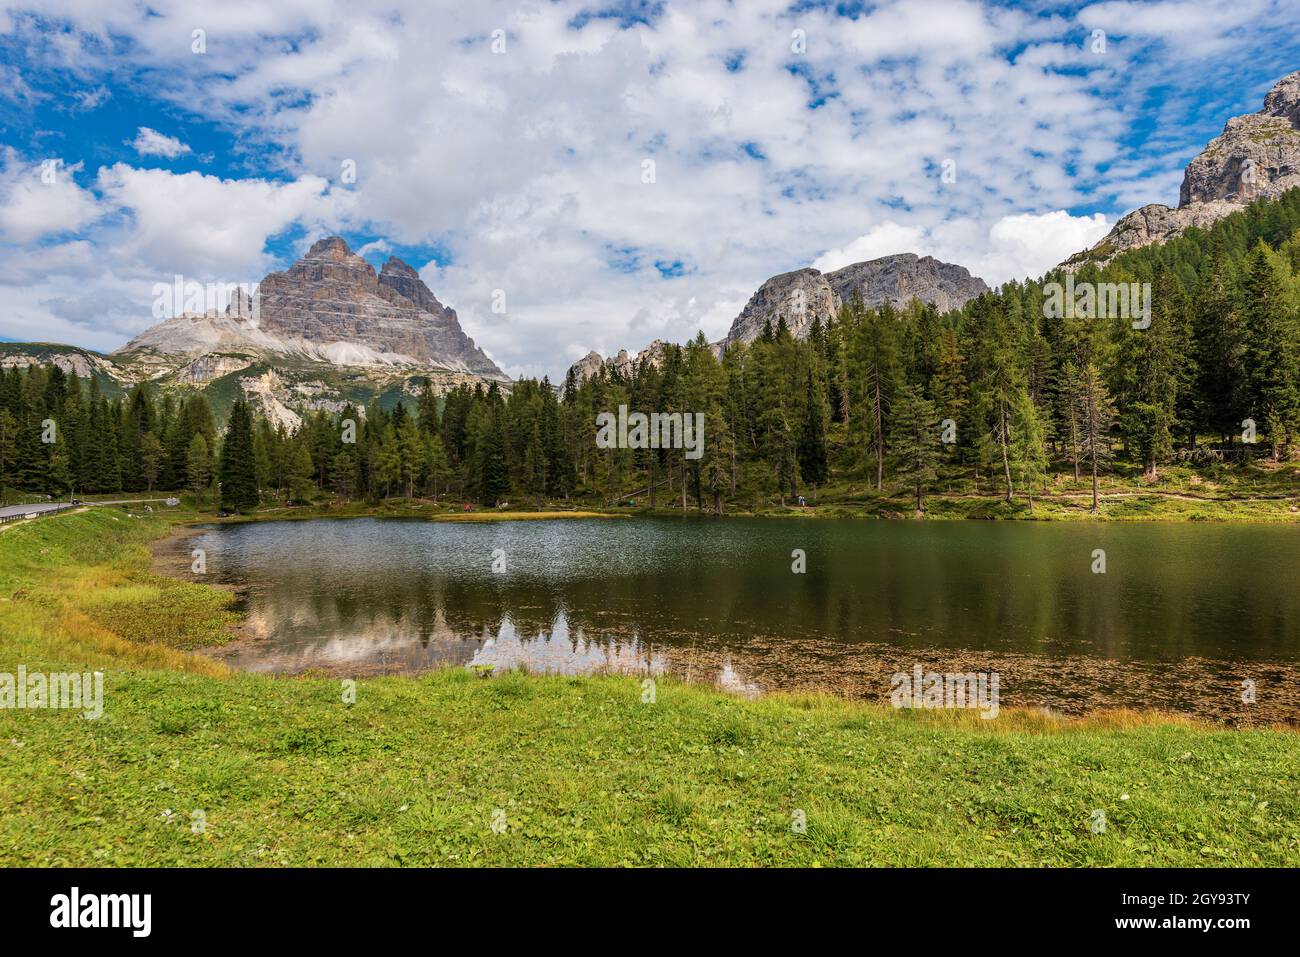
583,771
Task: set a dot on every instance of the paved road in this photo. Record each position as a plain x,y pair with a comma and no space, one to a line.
10,512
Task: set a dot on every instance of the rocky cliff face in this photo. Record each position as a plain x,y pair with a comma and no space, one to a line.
326,332
801,295
73,361
623,363
797,297
330,306
1257,156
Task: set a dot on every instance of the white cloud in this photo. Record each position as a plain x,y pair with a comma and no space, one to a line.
1027,245
41,199
149,142
525,166
91,99
205,225
1019,246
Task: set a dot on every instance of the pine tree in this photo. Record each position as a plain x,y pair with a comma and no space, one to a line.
343,474
8,448
948,384
152,456
198,466
60,469
1273,351
238,481
410,449
874,372
914,435
535,466
813,460
1095,413
493,469
302,472
437,469
1028,448
1149,362
1219,350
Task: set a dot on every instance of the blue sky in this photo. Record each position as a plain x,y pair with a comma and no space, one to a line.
505,147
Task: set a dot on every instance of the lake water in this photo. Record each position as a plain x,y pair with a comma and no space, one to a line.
1182,615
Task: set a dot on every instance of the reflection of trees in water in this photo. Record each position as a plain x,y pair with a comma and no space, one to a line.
924,587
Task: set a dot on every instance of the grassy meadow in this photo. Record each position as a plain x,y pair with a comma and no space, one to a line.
418,770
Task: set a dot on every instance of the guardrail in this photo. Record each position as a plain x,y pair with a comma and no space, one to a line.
21,516
170,501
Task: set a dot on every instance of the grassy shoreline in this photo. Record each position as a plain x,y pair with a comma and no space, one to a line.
1118,507
413,772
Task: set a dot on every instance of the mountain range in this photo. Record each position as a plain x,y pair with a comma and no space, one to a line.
1257,156
329,330
803,295
325,332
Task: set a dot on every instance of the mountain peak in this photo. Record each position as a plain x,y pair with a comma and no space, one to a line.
401,266
330,306
331,247
403,279
1257,156
805,294
1284,98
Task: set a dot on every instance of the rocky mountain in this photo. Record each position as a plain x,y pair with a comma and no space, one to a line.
623,363
325,332
82,363
803,294
330,307
1257,156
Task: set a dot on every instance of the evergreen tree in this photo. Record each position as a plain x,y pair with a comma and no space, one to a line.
1273,351
874,378
915,440
813,463
1028,448
302,473
198,466
1095,413
343,474
152,456
437,469
493,469
8,448
237,470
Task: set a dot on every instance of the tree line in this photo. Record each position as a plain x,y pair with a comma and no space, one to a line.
998,394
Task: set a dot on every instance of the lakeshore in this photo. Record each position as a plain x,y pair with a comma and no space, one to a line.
412,772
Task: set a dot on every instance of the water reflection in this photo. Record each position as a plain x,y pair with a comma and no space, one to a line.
1180,605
